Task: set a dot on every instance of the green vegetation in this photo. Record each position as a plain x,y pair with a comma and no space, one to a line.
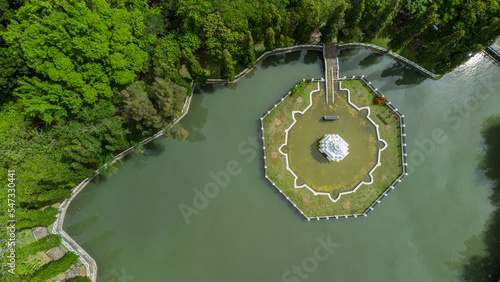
81,80
330,29
438,35
354,203
269,39
53,268
298,87
44,244
226,66
31,218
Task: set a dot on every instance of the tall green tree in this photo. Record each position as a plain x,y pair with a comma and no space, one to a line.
376,16
12,66
168,98
139,111
198,74
403,38
31,218
167,58
354,14
306,15
330,29
53,268
226,66
432,50
248,52
217,36
388,16
351,30
176,132
46,243
269,39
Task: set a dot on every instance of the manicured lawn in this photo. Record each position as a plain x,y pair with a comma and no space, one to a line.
311,166
24,238
280,118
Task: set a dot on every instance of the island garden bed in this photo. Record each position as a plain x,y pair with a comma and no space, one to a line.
323,199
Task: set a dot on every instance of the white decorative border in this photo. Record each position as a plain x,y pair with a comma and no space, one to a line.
369,173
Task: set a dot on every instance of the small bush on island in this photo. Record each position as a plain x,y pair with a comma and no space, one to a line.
298,87
379,99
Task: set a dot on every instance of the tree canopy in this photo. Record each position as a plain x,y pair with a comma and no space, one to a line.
78,52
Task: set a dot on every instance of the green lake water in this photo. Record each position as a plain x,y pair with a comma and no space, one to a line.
132,224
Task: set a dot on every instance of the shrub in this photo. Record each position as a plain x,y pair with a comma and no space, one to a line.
298,87
379,99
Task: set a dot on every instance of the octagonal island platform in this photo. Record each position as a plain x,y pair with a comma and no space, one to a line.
338,167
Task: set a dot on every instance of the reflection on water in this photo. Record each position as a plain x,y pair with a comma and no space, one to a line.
348,54
195,121
307,58
311,58
408,76
487,267
294,57
370,60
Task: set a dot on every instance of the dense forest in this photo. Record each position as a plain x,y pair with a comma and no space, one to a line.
81,80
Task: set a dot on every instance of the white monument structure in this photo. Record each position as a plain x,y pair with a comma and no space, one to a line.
334,147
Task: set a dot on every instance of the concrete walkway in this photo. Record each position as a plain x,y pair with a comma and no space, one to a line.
331,69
